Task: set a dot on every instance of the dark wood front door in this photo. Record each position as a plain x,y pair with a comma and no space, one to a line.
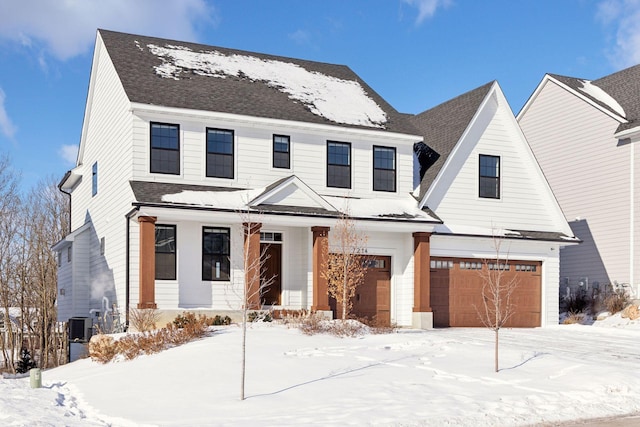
271,272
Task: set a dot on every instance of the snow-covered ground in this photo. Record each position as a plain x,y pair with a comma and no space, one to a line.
439,377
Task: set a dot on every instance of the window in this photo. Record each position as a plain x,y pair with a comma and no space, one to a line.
467,265
165,252
499,266
384,169
215,253
219,153
489,176
338,164
69,254
165,148
281,151
102,245
525,267
268,236
59,258
94,179
442,264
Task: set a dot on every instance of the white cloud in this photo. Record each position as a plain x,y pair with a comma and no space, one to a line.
66,28
623,16
300,37
7,127
68,153
427,8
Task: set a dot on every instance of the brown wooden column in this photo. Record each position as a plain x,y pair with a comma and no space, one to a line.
252,264
421,273
147,261
320,250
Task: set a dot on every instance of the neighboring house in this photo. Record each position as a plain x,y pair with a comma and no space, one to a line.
187,151
584,135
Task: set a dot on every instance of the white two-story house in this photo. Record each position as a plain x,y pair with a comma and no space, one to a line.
188,152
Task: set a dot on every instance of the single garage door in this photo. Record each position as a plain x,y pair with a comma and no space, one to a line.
456,291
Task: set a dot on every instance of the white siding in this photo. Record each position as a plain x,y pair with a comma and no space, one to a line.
525,202
589,172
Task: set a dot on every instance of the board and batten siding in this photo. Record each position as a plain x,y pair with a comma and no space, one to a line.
524,203
253,145
107,141
589,172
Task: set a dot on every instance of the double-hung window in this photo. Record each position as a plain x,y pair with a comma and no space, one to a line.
216,264
165,148
489,177
338,164
165,252
281,151
384,169
94,179
219,153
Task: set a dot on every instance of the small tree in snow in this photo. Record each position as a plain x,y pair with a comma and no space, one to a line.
345,265
497,292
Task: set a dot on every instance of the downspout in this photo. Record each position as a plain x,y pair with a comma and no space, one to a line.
66,175
632,216
127,266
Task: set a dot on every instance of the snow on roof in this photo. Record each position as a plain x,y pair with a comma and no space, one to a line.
221,199
379,208
338,100
602,96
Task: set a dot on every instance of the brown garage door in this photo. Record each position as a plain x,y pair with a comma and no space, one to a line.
456,291
373,297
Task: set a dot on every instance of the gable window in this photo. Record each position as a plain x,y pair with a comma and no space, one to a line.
489,177
281,151
215,253
165,252
338,164
219,153
94,179
384,168
165,148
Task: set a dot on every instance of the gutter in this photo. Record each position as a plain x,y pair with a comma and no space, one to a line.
127,282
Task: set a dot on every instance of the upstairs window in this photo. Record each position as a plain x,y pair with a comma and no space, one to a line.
281,151
338,164
220,153
216,264
384,169
94,179
165,252
165,148
489,177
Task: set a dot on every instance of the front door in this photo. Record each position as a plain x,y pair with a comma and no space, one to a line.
270,273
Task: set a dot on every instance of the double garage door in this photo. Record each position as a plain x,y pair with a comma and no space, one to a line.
456,291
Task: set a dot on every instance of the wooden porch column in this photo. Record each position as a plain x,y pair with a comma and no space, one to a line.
320,250
147,262
252,264
421,273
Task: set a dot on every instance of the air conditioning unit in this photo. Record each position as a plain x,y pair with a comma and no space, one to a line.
80,329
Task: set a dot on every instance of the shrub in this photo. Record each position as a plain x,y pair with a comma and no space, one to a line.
259,316
102,348
219,320
144,319
314,323
573,318
26,362
617,301
577,302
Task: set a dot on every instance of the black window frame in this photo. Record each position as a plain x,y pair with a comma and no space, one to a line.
94,179
489,184
211,173
279,155
380,170
169,253
223,256
333,167
154,166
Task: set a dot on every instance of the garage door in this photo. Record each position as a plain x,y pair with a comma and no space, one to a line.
456,291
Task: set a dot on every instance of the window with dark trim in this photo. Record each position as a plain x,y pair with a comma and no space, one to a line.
94,179
165,148
384,168
338,164
216,264
281,151
219,153
489,177
165,252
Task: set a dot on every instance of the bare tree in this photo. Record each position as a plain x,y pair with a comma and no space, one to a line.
345,265
497,295
254,284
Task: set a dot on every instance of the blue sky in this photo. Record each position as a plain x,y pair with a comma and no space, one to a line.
415,53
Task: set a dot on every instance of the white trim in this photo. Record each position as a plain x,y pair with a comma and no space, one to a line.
301,185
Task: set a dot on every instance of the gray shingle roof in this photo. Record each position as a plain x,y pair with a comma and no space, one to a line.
623,86
152,191
443,125
135,64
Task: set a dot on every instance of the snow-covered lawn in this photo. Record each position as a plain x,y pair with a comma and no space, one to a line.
439,377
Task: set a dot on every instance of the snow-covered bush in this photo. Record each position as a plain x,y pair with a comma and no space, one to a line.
26,362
